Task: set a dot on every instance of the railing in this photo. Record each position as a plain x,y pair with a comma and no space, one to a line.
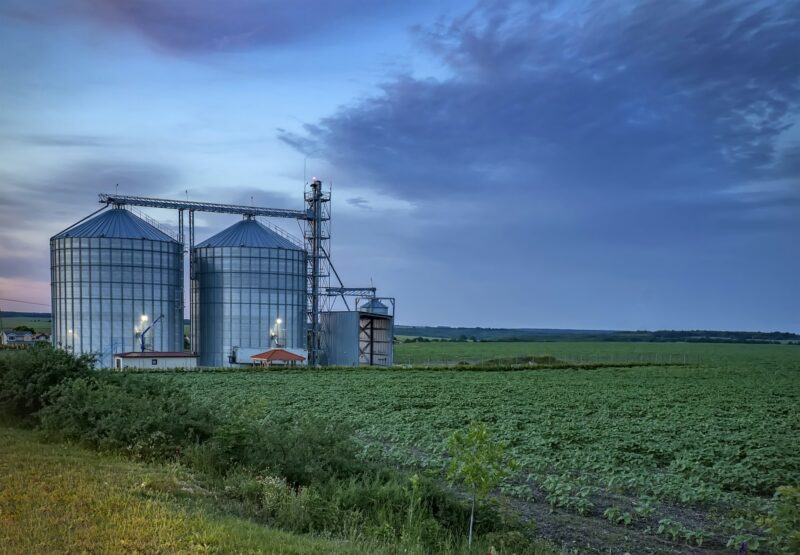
283,233
167,230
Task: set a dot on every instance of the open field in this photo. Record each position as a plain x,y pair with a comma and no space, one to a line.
710,354
647,458
43,324
62,499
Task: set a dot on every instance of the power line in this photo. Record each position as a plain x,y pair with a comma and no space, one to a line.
19,301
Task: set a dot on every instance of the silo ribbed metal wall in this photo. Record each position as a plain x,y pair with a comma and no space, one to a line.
240,293
101,287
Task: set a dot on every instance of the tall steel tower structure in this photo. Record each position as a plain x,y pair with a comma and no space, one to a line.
317,236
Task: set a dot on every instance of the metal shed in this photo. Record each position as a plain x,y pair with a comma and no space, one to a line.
358,338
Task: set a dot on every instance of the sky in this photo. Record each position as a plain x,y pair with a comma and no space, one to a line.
589,165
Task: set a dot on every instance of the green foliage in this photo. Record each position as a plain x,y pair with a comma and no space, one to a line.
302,449
744,535
677,531
618,516
70,500
27,375
751,541
623,439
148,420
671,528
606,429
476,461
411,514
644,507
783,524
563,492
300,473
24,329
610,429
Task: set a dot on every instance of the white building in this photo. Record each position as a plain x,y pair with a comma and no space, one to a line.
148,360
13,337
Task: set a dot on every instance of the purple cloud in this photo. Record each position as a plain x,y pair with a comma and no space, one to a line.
190,26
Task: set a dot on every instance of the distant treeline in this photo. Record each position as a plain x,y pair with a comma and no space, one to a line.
497,334
507,334
31,315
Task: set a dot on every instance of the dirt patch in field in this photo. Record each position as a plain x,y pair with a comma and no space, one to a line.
592,533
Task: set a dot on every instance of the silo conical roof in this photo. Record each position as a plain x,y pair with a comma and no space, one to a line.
248,233
375,306
116,223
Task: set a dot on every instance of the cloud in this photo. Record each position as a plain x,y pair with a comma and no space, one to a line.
198,26
358,202
65,193
33,209
599,97
63,140
589,163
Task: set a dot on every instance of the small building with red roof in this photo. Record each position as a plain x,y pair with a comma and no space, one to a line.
278,357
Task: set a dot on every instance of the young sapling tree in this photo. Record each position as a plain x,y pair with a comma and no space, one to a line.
476,462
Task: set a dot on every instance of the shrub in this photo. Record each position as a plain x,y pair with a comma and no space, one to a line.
147,419
379,506
783,525
309,449
27,375
304,450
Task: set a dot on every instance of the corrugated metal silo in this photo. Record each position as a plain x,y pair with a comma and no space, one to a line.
250,292
111,276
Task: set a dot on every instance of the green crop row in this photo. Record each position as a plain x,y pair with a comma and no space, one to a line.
718,437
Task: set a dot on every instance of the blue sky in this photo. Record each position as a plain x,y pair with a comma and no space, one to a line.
521,164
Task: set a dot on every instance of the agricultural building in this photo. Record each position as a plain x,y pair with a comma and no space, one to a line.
118,289
250,292
110,276
363,337
277,357
14,337
152,360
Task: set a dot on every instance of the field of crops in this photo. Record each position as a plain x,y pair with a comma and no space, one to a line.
717,355
686,453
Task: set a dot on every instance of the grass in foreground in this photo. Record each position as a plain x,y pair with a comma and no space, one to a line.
57,498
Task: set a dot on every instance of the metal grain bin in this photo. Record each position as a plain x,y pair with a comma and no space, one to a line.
374,306
250,290
111,276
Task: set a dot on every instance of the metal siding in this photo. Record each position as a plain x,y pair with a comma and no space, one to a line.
240,291
343,339
101,287
340,332
163,363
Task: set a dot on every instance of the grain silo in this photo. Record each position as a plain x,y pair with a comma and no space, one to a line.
111,277
249,286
